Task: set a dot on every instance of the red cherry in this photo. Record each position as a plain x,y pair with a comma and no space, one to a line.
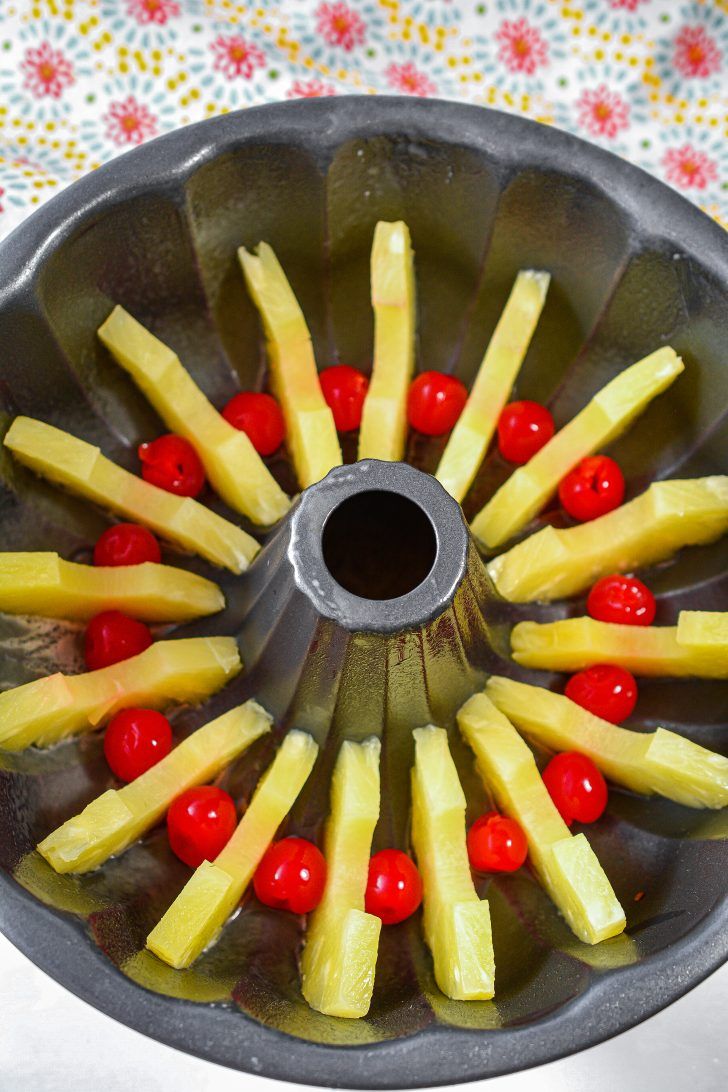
345,389
126,544
260,417
594,487
291,876
496,844
112,636
605,690
135,740
171,463
200,823
622,599
434,403
523,429
394,887
576,787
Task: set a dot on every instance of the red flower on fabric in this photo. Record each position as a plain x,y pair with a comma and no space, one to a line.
340,25
409,80
234,56
47,71
2,207
152,11
689,168
627,5
696,53
602,112
522,47
309,89
129,122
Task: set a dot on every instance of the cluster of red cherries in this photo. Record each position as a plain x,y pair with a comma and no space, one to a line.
292,873
435,401
610,692
594,487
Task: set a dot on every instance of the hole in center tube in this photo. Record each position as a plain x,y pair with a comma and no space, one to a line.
379,545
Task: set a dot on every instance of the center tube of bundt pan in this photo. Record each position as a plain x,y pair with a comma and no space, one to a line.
369,612
379,547
370,596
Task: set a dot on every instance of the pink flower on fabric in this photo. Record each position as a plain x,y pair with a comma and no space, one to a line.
696,53
309,89
129,122
689,168
522,47
627,5
234,56
152,11
47,71
602,112
340,25
2,207
409,80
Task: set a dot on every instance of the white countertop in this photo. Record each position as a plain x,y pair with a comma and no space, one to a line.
49,1040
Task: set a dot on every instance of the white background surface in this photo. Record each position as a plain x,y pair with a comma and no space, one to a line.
50,1041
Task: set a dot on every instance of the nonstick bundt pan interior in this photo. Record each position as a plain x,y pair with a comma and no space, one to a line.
634,266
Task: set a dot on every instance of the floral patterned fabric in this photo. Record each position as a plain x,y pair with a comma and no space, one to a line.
82,80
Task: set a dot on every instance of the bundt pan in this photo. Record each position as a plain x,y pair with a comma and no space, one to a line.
369,608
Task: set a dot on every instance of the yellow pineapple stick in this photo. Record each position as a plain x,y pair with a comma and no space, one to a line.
456,922
310,424
233,466
384,420
566,865
82,469
111,822
496,375
209,897
575,643
45,584
44,711
669,515
342,941
660,762
601,421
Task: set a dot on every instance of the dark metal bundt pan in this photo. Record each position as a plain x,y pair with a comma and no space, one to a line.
485,194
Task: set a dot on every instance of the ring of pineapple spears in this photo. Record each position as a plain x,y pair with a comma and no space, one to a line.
340,953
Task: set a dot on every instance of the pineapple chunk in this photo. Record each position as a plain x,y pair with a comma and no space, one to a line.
111,822
497,373
567,866
309,421
209,897
384,420
82,469
232,464
669,515
660,762
46,710
703,631
456,921
43,583
575,643
342,941
602,420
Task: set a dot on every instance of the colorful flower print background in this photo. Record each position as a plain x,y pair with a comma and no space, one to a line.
82,80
